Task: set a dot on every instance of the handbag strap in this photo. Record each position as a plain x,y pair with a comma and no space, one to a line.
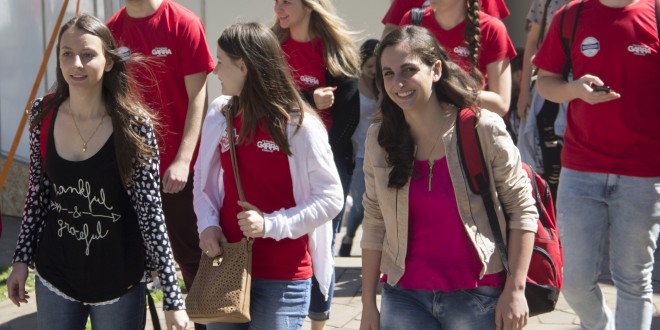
229,116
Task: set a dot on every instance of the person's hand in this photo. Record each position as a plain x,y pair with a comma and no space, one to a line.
251,220
176,319
524,102
370,319
16,284
582,89
512,311
209,241
324,97
176,177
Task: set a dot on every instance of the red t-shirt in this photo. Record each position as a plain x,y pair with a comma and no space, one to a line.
620,46
269,188
308,68
173,38
495,42
440,254
398,8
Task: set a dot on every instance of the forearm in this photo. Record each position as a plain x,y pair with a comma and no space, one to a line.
520,246
553,87
530,52
498,96
370,276
197,102
494,102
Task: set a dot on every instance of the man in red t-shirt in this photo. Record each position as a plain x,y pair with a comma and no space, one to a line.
610,183
174,40
398,8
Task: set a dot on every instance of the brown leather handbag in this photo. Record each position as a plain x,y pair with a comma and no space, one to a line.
221,289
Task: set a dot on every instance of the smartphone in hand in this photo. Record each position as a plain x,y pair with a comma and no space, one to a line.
605,89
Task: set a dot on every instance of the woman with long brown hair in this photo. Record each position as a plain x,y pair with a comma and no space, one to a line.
93,239
423,227
290,202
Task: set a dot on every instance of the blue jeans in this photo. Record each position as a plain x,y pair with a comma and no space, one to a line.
425,309
278,305
55,312
319,308
355,215
593,207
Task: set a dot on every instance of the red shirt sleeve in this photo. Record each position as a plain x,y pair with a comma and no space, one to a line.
495,8
195,55
496,44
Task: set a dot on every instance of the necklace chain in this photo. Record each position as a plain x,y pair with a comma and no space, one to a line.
84,144
430,161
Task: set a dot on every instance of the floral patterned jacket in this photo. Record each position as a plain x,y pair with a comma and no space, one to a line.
144,193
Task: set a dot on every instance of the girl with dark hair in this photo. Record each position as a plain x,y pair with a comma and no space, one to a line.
290,203
423,227
325,65
92,238
478,43
368,98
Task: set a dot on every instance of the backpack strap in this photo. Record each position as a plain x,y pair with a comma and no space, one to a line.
44,129
473,163
544,23
416,14
567,41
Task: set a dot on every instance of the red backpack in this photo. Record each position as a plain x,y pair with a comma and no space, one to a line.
544,278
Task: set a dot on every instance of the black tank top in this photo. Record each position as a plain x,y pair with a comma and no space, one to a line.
91,247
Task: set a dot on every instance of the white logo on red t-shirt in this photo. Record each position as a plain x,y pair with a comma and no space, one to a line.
461,51
590,46
309,80
224,141
161,51
640,50
268,146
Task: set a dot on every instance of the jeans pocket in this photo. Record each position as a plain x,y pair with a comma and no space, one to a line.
484,297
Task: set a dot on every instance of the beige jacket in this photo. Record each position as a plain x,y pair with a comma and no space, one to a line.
385,224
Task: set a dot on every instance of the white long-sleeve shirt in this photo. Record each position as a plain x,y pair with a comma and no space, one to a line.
317,189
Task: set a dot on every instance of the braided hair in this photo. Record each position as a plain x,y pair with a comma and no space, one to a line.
472,35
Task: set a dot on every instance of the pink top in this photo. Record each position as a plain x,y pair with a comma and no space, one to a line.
440,254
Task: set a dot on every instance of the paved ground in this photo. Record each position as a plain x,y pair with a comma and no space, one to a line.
346,306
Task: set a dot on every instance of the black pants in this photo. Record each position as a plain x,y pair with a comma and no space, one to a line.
550,145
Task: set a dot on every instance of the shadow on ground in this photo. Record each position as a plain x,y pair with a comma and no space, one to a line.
24,322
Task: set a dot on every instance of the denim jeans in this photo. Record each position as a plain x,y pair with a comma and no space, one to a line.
425,309
55,312
319,308
593,207
274,305
355,215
